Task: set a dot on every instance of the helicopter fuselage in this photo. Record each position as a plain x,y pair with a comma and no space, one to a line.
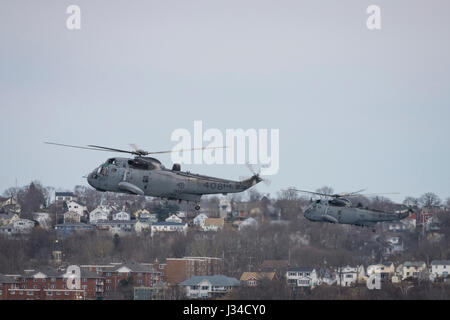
323,211
148,177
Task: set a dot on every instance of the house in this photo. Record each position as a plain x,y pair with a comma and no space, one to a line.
348,275
23,226
120,227
302,277
174,218
8,218
142,225
65,196
213,224
66,229
141,213
251,279
386,270
168,227
396,226
72,216
76,207
9,204
394,245
440,268
326,276
412,269
278,266
98,214
199,220
209,286
121,216
7,201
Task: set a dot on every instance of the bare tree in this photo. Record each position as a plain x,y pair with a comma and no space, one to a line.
429,200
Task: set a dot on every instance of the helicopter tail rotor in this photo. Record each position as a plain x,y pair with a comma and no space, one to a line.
256,175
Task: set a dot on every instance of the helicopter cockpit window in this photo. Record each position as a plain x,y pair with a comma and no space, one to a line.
317,201
112,161
137,164
102,170
337,203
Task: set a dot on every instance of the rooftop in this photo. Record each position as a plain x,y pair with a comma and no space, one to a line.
217,280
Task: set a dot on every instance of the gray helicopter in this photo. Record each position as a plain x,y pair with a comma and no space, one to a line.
336,208
146,176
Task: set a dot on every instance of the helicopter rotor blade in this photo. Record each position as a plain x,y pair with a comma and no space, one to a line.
115,150
374,194
180,150
311,192
347,194
72,146
137,151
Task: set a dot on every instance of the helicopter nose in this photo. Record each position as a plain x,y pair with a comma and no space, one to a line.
91,179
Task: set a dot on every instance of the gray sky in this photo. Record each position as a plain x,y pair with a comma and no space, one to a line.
355,108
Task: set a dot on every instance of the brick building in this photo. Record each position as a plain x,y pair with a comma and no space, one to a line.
180,269
50,284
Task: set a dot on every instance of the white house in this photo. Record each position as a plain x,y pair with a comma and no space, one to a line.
440,268
174,218
347,276
386,270
121,216
169,227
302,277
76,207
199,220
142,225
209,286
23,226
117,227
325,276
64,196
72,216
98,214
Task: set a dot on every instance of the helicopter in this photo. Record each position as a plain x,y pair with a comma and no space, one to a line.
336,208
147,176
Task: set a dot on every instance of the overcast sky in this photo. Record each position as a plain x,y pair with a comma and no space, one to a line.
355,108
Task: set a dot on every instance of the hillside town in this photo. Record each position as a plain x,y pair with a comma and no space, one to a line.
130,247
